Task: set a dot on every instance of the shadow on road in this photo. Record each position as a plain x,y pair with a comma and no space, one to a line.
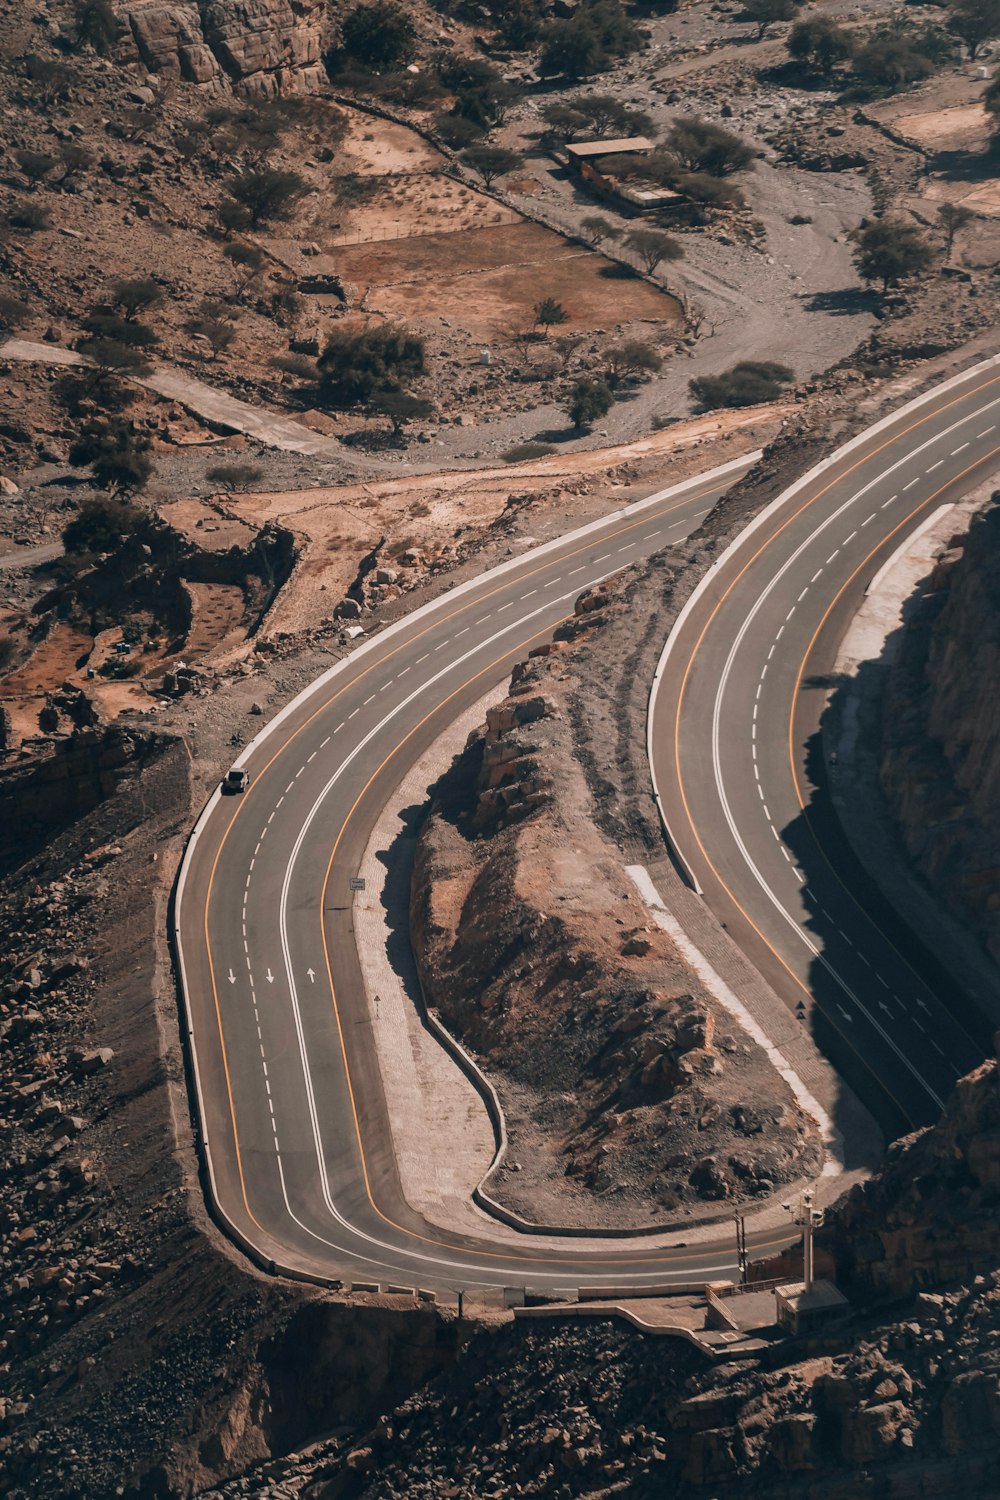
840,885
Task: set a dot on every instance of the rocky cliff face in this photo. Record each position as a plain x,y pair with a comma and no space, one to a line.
929,1218
628,1092
941,763
264,46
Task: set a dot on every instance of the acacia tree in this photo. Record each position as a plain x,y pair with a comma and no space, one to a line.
603,114
360,365
135,295
701,146
35,165
266,193
379,34
890,250
231,477
587,400
599,229
96,26
549,313
765,13
975,22
490,162
101,526
820,43
631,357
652,246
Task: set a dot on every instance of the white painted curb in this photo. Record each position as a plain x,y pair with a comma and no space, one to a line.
442,602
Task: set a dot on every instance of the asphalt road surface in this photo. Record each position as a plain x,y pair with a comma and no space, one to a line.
293,1122
745,780
287,1081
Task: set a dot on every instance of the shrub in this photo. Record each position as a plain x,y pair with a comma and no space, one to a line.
109,326
456,131
765,13
101,526
13,312
749,383
29,216
589,41
231,477
890,62
525,451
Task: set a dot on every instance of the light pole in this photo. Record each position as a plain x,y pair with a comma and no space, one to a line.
809,1218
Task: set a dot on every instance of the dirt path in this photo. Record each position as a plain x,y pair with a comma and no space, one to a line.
203,400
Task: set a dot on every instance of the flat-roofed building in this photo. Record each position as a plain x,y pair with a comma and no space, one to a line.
594,161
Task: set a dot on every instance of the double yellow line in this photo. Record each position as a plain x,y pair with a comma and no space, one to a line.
813,500
490,668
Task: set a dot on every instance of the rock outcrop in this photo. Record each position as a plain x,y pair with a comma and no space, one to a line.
263,46
941,759
627,1091
929,1218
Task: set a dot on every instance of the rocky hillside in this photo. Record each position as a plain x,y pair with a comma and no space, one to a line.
941,760
898,1402
627,1090
907,1410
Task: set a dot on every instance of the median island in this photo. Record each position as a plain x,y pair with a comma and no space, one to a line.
631,1098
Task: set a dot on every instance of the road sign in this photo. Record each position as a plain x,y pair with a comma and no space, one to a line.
357,883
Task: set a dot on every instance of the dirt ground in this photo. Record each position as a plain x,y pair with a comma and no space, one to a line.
337,525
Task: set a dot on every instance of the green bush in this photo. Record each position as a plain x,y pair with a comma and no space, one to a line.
749,383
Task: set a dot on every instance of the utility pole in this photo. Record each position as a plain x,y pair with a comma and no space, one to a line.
741,1246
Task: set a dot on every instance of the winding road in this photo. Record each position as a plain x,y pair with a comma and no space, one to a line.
293,1126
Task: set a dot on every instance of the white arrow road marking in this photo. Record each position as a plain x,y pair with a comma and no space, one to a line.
270,977
232,977
846,1014
312,975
